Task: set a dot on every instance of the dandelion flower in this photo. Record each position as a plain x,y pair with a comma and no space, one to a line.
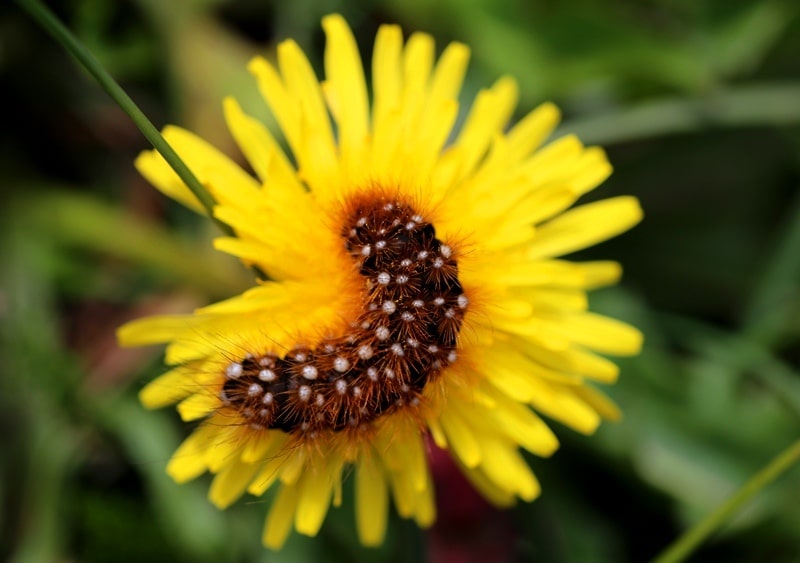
412,289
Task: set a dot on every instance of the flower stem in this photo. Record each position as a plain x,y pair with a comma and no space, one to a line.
65,38
680,549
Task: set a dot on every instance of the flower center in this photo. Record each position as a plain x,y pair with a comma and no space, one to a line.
404,335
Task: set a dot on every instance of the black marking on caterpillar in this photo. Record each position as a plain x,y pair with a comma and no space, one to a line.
404,336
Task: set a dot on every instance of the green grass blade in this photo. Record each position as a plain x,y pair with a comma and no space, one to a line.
66,39
685,545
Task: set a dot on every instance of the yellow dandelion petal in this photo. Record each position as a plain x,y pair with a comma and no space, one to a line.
523,427
387,84
197,406
426,509
504,466
604,406
230,483
264,445
530,132
315,496
189,460
489,114
219,174
281,516
600,273
461,439
585,226
417,64
495,494
153,330
562,404
414,289
371,501
170,387
600,333
260,148
273,460
448,75
284,107
346,89
226,449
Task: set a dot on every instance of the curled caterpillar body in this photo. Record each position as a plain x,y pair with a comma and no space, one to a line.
403,337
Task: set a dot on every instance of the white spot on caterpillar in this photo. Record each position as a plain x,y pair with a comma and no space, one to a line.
310,372
407,316
452,357
389,373
401,279
304,392
384,278
234,370
397,349
267,399
254,389
439,301
445,251
417,303
267,375
366,250
372,373
341,364
382,333
319,399
365,352
341,386
389,307
423,254
438,262
462,301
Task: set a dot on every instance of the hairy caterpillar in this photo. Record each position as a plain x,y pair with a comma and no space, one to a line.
403,337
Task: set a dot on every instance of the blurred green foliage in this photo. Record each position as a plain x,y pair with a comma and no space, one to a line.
698,105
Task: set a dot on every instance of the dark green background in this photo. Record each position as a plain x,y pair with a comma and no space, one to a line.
698,105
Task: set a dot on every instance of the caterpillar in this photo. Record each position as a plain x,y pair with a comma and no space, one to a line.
404,336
